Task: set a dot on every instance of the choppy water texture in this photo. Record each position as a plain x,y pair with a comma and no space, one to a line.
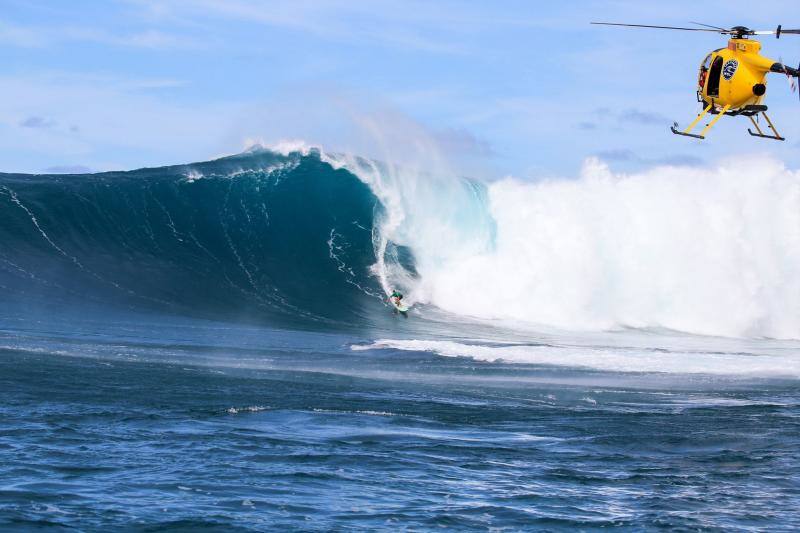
206,348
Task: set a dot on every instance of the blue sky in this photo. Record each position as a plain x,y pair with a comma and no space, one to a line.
523,88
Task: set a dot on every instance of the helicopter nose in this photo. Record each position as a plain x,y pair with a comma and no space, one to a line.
759,89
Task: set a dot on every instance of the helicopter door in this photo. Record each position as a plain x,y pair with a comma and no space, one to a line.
712,89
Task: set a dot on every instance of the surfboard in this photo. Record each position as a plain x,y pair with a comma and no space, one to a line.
402,308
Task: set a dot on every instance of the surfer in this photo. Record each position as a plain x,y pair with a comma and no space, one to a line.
396,297
396,300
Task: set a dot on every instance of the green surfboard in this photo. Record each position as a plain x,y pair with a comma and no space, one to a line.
403,309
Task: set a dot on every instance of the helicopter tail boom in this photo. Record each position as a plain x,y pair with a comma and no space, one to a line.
789,71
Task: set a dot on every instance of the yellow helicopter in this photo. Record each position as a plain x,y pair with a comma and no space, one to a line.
732,80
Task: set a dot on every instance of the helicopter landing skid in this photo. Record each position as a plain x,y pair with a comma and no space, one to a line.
760,133
688,131
675,130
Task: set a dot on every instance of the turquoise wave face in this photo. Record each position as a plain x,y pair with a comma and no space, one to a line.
253,236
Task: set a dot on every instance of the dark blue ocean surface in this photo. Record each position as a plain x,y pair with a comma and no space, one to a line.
207,347
206,425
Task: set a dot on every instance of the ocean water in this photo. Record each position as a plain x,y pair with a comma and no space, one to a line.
207,347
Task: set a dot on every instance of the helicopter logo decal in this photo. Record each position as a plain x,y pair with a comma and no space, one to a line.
729,68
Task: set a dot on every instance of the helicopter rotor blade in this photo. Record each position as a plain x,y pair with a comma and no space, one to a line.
737,31
709,26
659,27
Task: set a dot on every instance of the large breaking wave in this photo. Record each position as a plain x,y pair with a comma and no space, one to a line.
258,235
308,236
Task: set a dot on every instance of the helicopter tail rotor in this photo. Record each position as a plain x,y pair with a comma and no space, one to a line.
790,74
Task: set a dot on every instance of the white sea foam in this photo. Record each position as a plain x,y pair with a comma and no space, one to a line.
284,147
249,409
193,175
772,361
713,251
359,412
705,251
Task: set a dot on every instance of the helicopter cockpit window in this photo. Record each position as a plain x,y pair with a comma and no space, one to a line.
712,89
701,78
